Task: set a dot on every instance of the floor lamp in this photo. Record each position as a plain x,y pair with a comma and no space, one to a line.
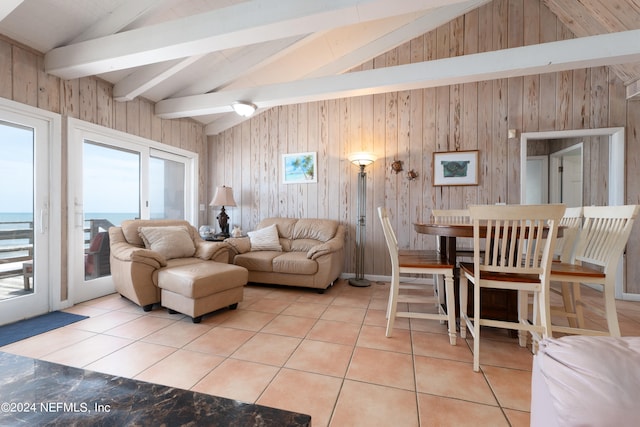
361,159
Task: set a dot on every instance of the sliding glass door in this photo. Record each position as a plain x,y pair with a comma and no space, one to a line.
115,177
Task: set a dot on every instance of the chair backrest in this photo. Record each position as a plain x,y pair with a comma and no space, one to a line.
604,234
571,223
451,216
518,238
389,237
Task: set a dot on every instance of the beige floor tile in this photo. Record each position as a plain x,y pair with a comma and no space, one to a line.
139,327
450,378
248,320
335,332
105,321
268,349
85,310
382,367
354,300
177,334
438,411
47,343
129,361
438,345
268,305
370,405
220,341
181,369
87,351
237,379
518,418
292,326
504,353
305,309
110,302
512,387
321,358
377,318
344,314
303,392
374,337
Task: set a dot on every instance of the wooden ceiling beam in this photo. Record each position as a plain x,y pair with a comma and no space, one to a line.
601,50
238,25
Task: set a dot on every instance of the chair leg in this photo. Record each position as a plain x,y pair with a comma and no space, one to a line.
577,304
610,308
523,315
569,303
476,327
451,312
463,288
393,303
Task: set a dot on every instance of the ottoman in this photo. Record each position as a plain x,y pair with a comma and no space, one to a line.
198,289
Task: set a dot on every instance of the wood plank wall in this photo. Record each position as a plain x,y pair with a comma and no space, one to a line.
411,125
22,79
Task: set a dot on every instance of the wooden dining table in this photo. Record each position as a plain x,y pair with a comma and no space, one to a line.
497,304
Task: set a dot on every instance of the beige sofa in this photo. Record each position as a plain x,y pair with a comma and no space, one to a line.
304,252
167,262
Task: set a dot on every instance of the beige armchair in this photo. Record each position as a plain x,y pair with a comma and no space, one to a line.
135,266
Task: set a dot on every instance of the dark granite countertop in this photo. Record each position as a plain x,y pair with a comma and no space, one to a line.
38,393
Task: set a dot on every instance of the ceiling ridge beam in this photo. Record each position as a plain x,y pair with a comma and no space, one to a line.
239,25
585,52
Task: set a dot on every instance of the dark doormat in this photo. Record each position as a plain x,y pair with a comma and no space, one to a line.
36,325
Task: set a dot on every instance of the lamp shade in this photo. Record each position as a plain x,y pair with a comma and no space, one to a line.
223,197
362,158
244,109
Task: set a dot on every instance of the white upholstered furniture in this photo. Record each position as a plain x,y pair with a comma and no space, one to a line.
586,381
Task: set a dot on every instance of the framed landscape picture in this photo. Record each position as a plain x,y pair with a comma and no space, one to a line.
299,168
455,168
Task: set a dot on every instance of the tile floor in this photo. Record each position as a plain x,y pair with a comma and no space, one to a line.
321,354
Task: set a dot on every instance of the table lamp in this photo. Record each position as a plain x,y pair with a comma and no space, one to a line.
223,197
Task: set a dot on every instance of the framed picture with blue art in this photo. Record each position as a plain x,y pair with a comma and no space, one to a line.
299,168
455,168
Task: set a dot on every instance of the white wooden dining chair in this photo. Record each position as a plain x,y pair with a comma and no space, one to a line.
518,249
571,224
416,262
598,250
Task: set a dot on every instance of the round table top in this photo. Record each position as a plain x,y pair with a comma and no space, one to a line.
455,230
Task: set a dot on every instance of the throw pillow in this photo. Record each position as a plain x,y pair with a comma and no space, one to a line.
265,239
169,241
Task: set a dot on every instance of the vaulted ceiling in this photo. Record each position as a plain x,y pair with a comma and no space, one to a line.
194,58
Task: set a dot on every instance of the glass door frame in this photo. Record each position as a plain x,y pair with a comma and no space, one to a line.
47,271
78,132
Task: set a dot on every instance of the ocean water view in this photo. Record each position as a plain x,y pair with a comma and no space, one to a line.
24,221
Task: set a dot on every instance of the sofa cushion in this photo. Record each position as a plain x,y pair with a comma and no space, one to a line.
132,235
303,245
317,229
285,226
169,241
265,239
294,263
257,261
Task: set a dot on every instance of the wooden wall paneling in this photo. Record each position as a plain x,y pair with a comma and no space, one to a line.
378,181
313,144
322,191
272,155
146,112
255,169
599,97
156,127
334,164
632,133
245,184
348,187
564,86
264,166
531,84
120,121
104,104
48,88
70,98
291,147
548,33
617,102
281,143
203,162
6,70
515,101
88,99
580,98
133,121
25,76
